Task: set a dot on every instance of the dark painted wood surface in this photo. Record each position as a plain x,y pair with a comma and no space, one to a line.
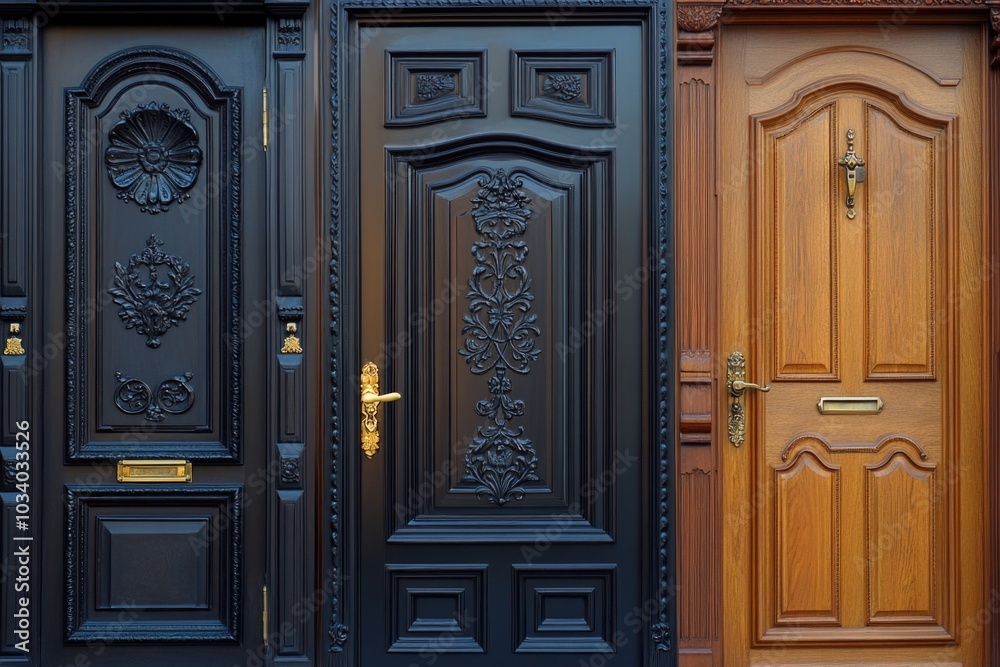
154,240
504,285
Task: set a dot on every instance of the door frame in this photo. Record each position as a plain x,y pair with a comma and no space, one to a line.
701,360
341,526
294,278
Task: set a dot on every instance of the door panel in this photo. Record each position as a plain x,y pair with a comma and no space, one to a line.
852,514
504,248
149,234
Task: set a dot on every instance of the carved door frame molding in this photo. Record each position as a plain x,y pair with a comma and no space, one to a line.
293,266
699,26
341,525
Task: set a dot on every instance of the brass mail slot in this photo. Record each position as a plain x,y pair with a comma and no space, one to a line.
850,405
154,471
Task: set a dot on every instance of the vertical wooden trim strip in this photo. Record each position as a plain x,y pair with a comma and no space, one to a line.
18,175
698,528
992,500
289,490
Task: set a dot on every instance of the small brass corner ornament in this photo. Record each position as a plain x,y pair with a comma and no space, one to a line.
854,166
13,346
292,343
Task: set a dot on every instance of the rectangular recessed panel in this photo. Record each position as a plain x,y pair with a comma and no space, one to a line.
807,541
569,87
436,609
902,558
153,562
146,554
902,195
564,608
430,86
805,249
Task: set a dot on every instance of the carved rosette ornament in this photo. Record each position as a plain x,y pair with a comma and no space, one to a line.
155,291
500,338
153,158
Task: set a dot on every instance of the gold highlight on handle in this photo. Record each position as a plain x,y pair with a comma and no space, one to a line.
370,400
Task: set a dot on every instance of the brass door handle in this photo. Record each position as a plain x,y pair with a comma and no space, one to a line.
380,398
736,374
370,400
737,387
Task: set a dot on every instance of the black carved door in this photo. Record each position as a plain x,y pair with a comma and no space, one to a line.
153,246
503,189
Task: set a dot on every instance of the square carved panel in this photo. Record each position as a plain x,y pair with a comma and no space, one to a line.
569,87
135,557
439,609
429,86
564,609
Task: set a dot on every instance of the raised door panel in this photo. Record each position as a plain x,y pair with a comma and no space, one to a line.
153,227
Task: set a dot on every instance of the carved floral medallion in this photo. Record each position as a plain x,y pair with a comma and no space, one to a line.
155,291
174,396
153,158
500,339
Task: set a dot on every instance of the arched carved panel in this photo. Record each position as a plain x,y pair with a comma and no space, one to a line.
807,541
902,557
153,161
515,238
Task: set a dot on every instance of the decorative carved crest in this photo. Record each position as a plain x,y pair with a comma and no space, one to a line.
697,18
154,156
500,337
289,34
173,396
152,303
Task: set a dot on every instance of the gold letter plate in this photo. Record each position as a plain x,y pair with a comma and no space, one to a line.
154,471
850,405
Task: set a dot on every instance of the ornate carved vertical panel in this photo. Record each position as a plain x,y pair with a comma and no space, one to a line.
903,223
697,248
798,196
147,233
807,541
291,345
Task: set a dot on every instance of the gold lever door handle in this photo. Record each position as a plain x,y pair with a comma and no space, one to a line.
370,400
737,387
380,398
736,382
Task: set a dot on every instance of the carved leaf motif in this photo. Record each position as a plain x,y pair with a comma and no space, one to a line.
150,304
154,156
431,86
566,87
500,337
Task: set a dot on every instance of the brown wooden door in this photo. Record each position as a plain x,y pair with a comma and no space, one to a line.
853,537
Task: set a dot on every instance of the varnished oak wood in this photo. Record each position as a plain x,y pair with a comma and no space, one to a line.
849,547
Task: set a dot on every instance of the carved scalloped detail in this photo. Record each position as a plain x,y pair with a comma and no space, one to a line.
697,18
